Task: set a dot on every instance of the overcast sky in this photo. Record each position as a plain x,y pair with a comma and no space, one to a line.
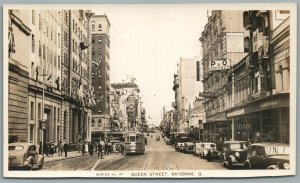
147,42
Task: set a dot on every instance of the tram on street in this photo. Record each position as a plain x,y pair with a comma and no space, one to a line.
134,142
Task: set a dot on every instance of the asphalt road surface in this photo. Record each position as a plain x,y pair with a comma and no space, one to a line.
158,156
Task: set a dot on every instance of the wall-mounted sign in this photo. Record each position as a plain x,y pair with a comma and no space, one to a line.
207,94
235,42
219,65
236,112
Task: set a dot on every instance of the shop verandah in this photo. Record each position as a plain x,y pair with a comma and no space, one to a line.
265,120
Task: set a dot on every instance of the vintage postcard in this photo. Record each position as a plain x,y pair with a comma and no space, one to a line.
149,90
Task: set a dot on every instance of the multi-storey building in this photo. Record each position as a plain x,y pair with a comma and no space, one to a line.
58,92
19,50
130,104
189,86
243,102
100,27
217,94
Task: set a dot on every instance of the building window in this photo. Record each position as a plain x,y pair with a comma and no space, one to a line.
44,51
198,70
40,49
93,51
39,111
59,40
99,123
32,70
40,22
58,115
66,17
54,114
93,40
33,43
58,62
73,44
33,17
100,51
31,110
73,25
93,123
100,40
31,133
93,27
99,27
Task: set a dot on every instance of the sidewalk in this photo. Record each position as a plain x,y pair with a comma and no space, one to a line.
73,154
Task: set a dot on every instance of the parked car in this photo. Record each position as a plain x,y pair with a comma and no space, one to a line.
24,155
214,154
196,150
157,138
268,156
205,147
179,146
234,153
188,147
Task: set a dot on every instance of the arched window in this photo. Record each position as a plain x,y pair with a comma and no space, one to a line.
93,123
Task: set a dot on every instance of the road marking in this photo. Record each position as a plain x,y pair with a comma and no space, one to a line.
160,153
96,165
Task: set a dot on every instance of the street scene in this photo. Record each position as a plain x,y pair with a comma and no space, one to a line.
98,90
158,156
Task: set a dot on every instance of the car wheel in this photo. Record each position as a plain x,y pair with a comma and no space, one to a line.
229,163
247,166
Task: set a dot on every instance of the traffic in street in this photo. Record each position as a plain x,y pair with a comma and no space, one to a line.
158,156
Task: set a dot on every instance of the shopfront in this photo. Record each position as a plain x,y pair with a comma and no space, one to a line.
265,120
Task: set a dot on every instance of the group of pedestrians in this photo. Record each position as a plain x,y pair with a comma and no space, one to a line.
100,148
50,149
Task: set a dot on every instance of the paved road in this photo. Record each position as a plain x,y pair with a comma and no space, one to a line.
158,156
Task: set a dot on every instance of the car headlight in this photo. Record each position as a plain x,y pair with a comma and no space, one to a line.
237,154
286,166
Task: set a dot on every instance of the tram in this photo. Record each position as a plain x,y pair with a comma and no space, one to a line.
134,142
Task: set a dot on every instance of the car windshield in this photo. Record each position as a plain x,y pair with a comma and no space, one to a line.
273,150
189,143
238,146
209,146
16,147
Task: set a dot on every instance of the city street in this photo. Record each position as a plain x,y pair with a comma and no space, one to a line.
158,156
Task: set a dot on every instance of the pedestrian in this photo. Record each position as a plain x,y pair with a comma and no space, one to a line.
66,148
61,147
51,149
58,148
99,150
106,148
91,149
82,149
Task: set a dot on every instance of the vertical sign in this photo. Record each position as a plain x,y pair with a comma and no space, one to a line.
235,42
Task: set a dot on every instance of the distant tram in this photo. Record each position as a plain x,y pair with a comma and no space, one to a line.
134,142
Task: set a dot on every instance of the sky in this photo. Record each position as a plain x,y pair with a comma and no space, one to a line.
147,42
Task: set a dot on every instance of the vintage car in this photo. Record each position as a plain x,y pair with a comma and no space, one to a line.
234,153
268,156
179,146
204,148
157,138
196,150
188,147
24,155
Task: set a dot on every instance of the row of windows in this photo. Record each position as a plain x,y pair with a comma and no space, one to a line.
99,27
99,123
32,112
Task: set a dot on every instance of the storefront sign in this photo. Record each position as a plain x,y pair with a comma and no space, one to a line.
235,42
236,112
217,65
269,104
242,126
